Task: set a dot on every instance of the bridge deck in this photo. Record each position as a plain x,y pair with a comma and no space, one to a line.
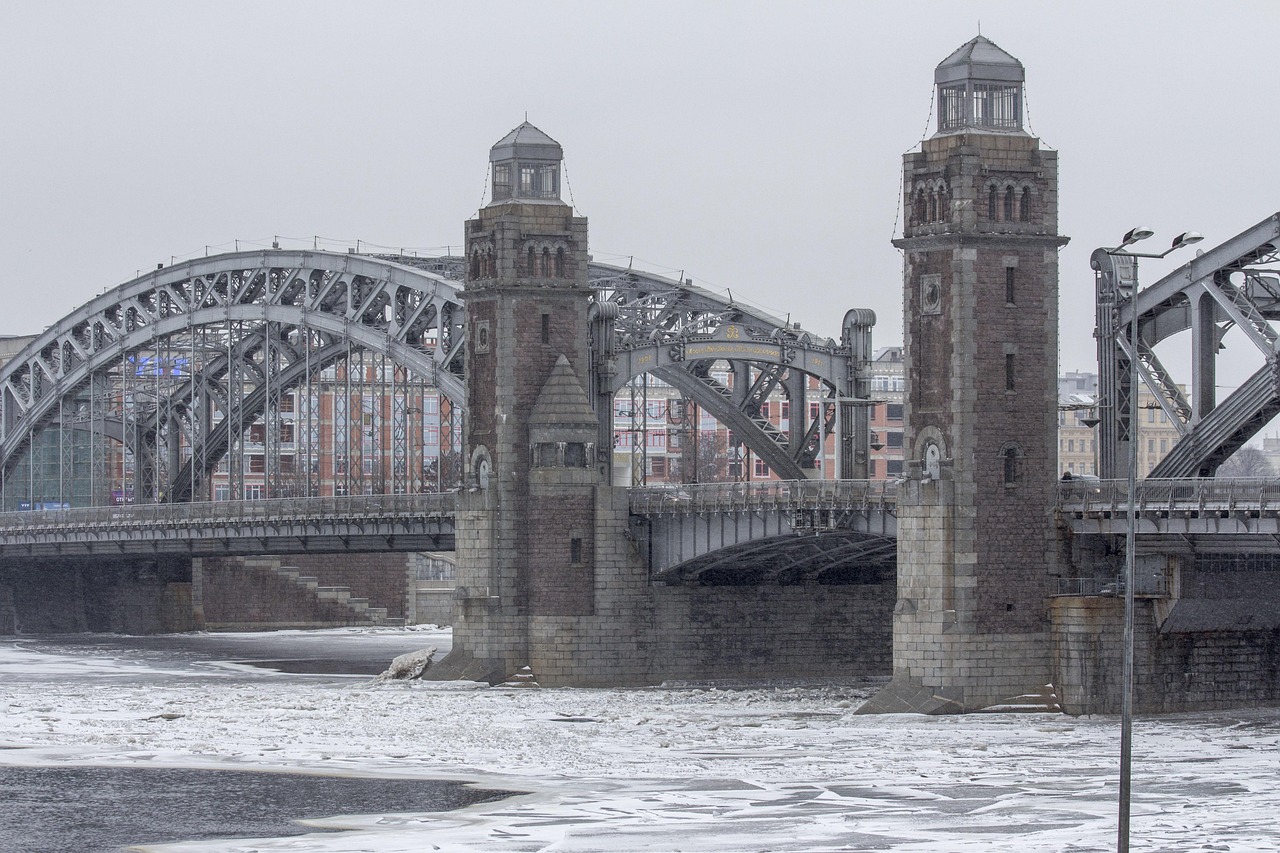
285,526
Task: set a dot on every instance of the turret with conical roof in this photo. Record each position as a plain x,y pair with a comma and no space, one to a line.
979,88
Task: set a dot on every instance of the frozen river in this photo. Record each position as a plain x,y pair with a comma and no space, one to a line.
681,768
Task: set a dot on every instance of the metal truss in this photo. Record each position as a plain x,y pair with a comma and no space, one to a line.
218,365
1223,287
190,358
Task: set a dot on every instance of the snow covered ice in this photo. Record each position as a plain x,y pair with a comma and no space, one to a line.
665,769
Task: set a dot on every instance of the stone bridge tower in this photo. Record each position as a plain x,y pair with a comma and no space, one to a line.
526,524
976,544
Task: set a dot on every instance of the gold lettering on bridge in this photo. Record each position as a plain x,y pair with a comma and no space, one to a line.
743,350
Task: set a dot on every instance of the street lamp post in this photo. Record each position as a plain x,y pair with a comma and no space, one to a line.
1131,532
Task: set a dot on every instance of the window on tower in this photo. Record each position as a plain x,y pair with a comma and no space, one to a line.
528,180
951,107
1009,293
1024,209
501,180
1010,459
1008,371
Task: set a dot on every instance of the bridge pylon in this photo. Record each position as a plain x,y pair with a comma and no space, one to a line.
976,538
533,517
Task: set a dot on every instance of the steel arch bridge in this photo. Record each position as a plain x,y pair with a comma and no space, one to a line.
219,361
1227,286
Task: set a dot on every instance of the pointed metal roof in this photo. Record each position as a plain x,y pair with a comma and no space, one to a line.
562,401
979,59
526,142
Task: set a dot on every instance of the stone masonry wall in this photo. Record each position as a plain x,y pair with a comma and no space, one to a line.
243,594
643,634
1172,672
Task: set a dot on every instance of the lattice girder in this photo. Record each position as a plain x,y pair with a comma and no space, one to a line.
1218,289
412,316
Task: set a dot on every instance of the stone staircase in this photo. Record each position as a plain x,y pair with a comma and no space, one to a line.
361,612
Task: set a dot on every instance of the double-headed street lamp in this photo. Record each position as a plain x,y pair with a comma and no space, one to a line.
1131,534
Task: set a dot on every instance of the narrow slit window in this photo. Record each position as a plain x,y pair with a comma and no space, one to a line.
1010,466
991,204
1024,209
1008,205
575,551
546,328
1009,291
1008,372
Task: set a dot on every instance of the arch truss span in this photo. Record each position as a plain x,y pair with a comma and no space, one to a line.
221,358
823,557
728,360
1234,285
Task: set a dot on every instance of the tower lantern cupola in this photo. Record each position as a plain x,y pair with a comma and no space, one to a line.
526,166
979,89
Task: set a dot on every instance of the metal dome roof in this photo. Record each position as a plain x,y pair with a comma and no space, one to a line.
980,59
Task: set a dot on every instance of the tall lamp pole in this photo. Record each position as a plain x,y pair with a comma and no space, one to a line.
1131,532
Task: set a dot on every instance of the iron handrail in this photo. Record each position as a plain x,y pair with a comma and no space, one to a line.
222,513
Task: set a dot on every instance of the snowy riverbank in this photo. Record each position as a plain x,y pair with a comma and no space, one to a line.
660,769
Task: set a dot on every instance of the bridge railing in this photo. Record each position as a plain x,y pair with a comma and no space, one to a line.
1174,495
229,513
765,495
1155,585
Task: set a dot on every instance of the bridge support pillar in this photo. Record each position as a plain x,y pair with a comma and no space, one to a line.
976,537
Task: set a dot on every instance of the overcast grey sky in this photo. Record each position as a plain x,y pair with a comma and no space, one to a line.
754,145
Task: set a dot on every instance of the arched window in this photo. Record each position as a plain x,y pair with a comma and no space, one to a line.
560,262
1024,209
545,271
531,263
475,263
933,207
1008,204
921,209
991,203
489,268
1010,456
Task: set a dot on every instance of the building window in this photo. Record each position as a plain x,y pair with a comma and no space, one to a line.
1009,293
1010,457
893,411
502,180
560,262
528,181
546,328
762,470
1008,371
893,439
575,455
892,467
257,464
575,551
1024,209
991,204
544,455
1008,204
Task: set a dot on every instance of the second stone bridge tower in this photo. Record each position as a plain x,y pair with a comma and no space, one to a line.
976,536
